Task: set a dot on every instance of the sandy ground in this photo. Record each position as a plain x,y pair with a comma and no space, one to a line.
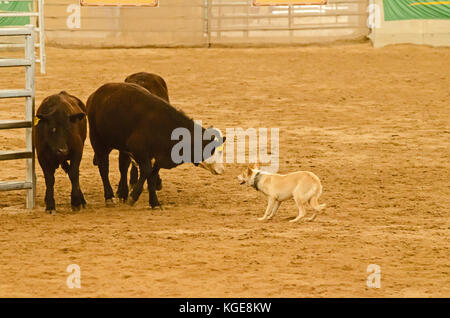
374,124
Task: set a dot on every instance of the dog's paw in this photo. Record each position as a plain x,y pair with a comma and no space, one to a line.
262,219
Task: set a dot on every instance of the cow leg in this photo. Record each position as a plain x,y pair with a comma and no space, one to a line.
145,169
152,182
103,167
134,174
134,177
76,199
49,175
124,164
158,182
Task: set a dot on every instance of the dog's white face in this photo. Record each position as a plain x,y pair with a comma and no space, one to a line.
246,176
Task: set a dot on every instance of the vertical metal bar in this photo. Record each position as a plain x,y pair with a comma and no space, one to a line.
219,21
247,18
209,22
371,31
290,23
206,22
29,113
42,55
336,17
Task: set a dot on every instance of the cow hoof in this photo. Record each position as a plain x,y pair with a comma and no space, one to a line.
131,201
122,200
109,203
51,212
76,208
158,207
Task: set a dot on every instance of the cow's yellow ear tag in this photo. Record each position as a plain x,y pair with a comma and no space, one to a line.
36,120
220,148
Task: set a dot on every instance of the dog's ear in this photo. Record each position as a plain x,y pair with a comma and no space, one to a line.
253,166
249,171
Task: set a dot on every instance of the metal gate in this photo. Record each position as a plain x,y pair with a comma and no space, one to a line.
205,22
37,18
28,93
238,22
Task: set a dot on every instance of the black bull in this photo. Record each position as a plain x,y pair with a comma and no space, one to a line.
128,118
59,138
156,85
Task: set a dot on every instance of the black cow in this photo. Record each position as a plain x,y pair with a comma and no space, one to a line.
127,117
156,85
59,135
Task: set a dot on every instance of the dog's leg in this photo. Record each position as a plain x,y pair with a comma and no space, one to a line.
274,209
268,209
311,218
301,209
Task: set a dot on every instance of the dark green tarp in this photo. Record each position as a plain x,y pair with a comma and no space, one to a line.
22,6
415,9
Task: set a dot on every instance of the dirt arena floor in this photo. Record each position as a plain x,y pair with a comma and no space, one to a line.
373,124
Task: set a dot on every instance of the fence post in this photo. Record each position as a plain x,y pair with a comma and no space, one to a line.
206,21
29,78
291,32
41,26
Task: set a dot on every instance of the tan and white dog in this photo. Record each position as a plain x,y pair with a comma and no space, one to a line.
303,186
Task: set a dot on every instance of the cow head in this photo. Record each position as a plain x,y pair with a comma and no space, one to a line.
56,117
214,163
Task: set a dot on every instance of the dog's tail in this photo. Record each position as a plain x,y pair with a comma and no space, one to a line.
314,200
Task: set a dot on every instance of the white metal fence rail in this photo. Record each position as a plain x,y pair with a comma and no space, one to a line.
237,21
203,23
37,17
28,123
